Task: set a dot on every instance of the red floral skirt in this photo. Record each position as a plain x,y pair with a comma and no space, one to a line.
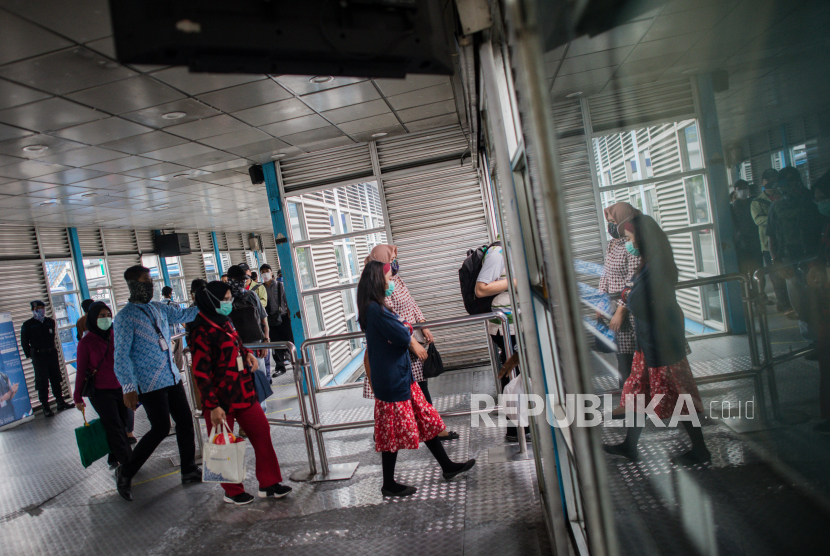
671,381
403,425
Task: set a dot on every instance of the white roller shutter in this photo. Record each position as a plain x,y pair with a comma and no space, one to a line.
118,264
18,242
269,247
436,213
91,243
641,105
120,242
193,265
54,242
146,241
331,166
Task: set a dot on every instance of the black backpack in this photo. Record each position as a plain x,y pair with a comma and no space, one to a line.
246,320
467,276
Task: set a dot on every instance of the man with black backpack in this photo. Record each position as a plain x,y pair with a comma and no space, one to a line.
248,315
794,227
279,321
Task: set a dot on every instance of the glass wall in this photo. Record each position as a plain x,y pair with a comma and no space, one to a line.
65,299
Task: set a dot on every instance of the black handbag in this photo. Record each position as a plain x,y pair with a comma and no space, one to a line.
89,384
433,366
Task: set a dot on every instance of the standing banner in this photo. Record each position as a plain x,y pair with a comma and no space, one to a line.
14,395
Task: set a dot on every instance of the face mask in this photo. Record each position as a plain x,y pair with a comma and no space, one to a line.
629,246
266,276
237,287
104,323
824,207
613,231
140,292
395,267
39,314
390,288
225,308
742,194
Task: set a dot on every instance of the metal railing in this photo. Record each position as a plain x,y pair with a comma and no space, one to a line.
308,371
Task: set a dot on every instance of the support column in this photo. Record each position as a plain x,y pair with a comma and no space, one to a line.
78,258
289,276
163,265
719,189
216,255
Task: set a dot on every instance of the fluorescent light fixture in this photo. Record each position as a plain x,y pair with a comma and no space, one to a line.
574,95
35,148
174,115
381,134
319,79
49,203
181,176
85,195
278,155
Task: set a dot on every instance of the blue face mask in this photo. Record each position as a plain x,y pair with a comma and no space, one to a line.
104,323
390,288
629,246
225,308
824,207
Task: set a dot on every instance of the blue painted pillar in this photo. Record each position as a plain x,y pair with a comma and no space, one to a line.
289,279
719,188
216,254
785,147
78,258
163,265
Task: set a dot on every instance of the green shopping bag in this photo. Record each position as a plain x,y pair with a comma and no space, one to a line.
92,441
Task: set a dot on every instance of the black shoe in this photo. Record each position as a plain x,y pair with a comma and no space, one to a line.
113,465
692,458
124,485
451,435
47,412
276,491
64,405
194,476
408,491
467,466
132,440
621,450
239,499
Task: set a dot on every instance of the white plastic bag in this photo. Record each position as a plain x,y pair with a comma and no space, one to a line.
223,463
516,409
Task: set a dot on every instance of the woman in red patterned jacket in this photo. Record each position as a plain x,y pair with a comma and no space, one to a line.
222,368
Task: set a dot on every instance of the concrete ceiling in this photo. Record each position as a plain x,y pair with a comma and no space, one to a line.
86,141
774,51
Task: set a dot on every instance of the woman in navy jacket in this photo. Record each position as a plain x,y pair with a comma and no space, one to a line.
660,365
403,418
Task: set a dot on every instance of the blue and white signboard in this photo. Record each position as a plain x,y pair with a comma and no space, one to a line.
14,395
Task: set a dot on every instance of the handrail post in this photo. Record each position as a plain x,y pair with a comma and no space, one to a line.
508,350
766,344
315,412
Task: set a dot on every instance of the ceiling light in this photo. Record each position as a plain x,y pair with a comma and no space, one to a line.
35,148
278,155
574,95
181,176
174,115
381,134
98,221
48,203
690,71
195,200
89,195
319,79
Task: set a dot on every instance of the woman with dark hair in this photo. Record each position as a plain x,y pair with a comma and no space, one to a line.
95,362
660,366
223,369
403,417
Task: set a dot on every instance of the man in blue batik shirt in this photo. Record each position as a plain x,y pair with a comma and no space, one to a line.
145,368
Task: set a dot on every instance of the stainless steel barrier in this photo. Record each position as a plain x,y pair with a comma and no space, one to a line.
341,471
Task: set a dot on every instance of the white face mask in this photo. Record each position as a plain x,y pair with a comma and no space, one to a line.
266,276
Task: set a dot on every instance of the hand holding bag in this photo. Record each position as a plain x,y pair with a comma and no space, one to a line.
92,440
433,366
224,463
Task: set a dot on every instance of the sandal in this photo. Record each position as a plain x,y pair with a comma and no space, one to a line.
451,435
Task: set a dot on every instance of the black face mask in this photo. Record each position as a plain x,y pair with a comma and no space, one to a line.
140,292
395,267
613,231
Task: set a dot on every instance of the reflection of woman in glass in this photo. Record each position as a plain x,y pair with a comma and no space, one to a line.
660,365
619,269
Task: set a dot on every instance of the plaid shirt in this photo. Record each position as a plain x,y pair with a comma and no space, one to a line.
140,363
619,269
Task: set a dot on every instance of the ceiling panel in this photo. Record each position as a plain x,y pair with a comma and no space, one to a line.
266,147
103,131
179,151
195,83
212,157
153,116
245,96
597,60
342,96
105,46
128,95
311,136
84,157
146,142
422,97
622,35
328,144
296,125
122,164
49,115
62,192
86,20
391,87
5,159
357,111
105,182
13,94
21,39
274,112
24,187
29,169
244,137
302,84
375,123
66,71
156,170
209,127
71,176
9,132
427,111
431,123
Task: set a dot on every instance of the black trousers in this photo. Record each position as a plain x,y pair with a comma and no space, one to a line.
425,390
778,283
47,369
281,333
624,362
498,339
109,405
160,405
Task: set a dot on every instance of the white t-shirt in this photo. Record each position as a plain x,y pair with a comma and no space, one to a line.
492,269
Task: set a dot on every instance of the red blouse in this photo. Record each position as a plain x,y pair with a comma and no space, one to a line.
215,349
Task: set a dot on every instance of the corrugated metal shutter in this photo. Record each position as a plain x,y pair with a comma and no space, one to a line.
146,241
18,242
444,143
193,265
117,266
221,242
54,242
15,300
642,104
120,242
437,214
331,166
91,243
584,225
270,248
206,242
236,241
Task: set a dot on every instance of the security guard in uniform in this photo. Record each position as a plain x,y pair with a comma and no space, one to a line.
37,337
